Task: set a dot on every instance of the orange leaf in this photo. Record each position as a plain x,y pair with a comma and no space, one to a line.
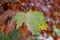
24,30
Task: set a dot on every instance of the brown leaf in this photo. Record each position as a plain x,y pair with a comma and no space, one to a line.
58,26
12,6
24,30
57,0
10,26
2,27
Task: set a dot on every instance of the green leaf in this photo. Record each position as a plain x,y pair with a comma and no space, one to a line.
57,31
13,35
20,18
33,20
2,37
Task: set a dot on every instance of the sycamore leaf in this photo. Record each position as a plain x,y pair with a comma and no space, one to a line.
20,18
35,18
